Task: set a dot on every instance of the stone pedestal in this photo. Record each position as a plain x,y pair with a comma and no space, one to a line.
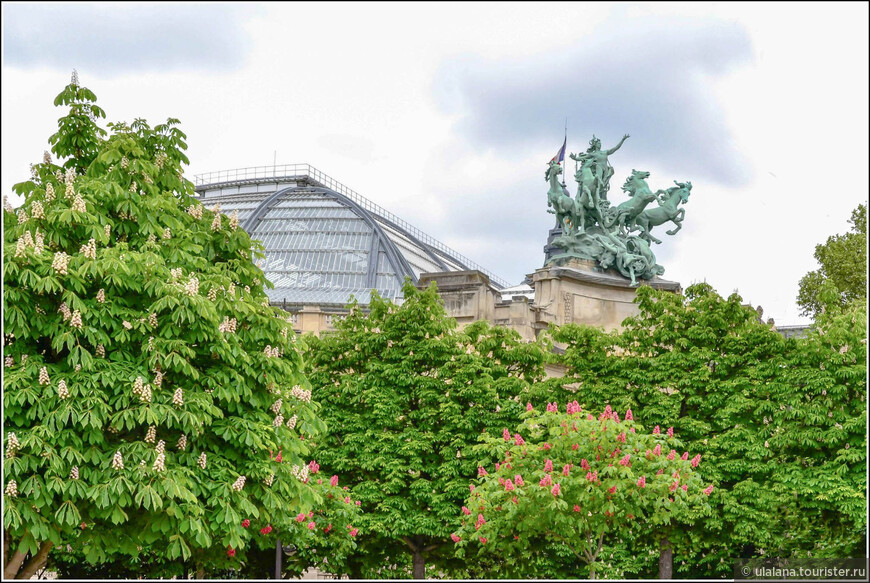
578,293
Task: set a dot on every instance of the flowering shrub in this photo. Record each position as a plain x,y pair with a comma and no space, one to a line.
114,348
614,480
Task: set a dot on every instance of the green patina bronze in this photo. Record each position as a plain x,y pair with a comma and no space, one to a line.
595,230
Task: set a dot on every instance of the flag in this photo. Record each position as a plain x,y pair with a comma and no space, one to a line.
560,155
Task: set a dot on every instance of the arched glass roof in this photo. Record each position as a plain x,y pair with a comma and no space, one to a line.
325,243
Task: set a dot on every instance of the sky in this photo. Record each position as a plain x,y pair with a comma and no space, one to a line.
447,114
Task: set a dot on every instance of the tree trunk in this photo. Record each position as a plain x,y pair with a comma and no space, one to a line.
37,562
200,571
419,565
666,559
15,561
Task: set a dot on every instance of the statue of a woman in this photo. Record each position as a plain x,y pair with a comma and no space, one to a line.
595,167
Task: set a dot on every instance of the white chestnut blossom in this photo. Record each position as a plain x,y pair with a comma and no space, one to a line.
195,210
78,204
192,286
158,379
74,473
201,460
234,220
291,423
101,351
64,309
12,489
301,394
300,473
101,296
152,320
167,233
39,244
160,462
182,442
178,397
228,325
269,480
151,435
60,263
212,294
279,421
43,376
216,222
22,216
10,362
12,445
127,325
276,406
62,390
49,193
118,461
76,320
89,250
145,396
107,230
239,484
36,210
161,446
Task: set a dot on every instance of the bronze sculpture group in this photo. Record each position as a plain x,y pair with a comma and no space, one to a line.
593,229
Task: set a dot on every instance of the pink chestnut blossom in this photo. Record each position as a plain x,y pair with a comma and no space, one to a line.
548,465
670,431
672,455
625,460
518,440
545,481
547,447
466,511
660,472
482,540
629,416
497,466
616,417
696,460
481,471
589,417
685,455
566,470
641,482
333,481
657,450
657,431
300,517
556,490
529,407
576,508
575,447
508,485
506,434
311,526
631,429
621,437
674,486
455,538
347,499
708,490
685,487
584,464
471,488
612,489
354,532
313,466
518,480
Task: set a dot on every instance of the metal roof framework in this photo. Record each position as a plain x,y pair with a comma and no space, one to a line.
324,242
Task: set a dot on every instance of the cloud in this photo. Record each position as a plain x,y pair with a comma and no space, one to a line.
108,39
652,77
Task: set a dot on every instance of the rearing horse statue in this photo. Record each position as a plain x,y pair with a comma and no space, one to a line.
667,211
564,207
637,188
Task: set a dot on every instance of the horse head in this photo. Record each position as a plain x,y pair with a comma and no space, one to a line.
631,182
684,188
555,168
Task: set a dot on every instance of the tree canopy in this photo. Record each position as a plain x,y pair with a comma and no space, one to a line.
406,396
843,265
147,381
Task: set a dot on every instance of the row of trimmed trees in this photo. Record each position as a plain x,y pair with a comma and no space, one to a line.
160,419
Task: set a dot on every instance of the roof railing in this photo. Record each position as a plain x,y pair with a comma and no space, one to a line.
287,171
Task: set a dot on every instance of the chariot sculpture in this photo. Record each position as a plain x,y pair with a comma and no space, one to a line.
594,229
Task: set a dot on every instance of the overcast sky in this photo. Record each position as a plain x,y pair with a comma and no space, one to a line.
446,114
